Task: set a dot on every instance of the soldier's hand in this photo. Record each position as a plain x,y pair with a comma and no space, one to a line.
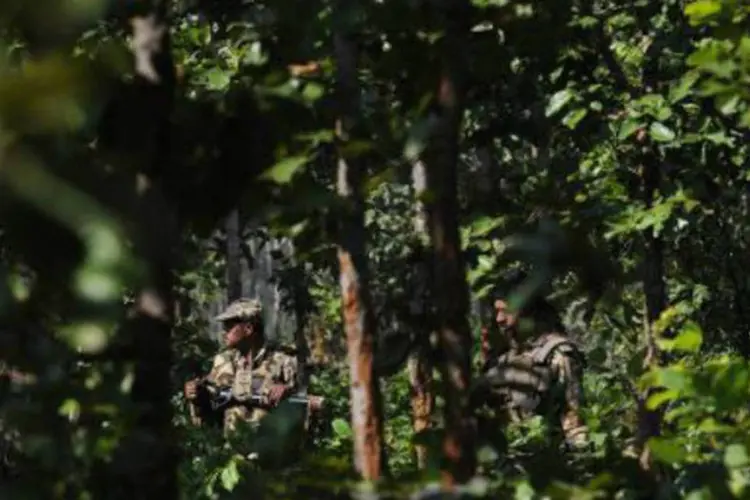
276,393
191,389
316,403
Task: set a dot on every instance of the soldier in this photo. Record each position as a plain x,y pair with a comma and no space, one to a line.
540,371
247,363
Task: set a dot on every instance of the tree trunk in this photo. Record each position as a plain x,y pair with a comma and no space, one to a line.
419,366
654,288
234,256
656,300
147,459
450,288
359,322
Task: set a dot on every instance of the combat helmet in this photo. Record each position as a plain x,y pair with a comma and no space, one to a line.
242,310
533,288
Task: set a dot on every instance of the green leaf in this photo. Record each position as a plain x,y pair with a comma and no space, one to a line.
673,379
572,119
682,88
736,456
485,225
341,428
660,132
629,128
688,340
660,398
283,171
217,79
727,103
313,91
230,476
700,10
665,450
558,101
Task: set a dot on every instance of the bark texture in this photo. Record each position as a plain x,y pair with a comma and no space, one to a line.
234,256
419,365
359,322
448,266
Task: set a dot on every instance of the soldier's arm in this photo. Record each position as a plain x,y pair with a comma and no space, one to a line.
569,373
222,371
221,375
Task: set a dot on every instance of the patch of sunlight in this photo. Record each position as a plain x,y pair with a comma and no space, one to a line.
97,285
104,243
19,287
86,337
126,384
70,409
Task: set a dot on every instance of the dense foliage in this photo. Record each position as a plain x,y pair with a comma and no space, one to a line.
602,144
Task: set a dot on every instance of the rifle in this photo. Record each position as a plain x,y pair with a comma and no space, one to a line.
220,397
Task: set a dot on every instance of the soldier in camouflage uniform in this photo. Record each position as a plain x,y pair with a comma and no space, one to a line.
540,370
247,360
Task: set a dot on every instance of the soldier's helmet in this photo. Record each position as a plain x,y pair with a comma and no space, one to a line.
512,280
241,310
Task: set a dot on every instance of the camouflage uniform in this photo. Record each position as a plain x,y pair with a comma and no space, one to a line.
540,376
231,369
240,373
543,378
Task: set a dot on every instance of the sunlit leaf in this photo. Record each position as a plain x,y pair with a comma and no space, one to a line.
629,127
666,450
660,398
682,88
341,428
572,119
86,337
700,10
313,91
689,339
230,476
660,132
283,171
736,456
558,101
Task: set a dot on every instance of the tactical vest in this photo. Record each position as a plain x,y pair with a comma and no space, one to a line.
524,379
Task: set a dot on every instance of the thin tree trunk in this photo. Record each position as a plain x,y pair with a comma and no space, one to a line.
359,322
419,366
451,291
654,287
656,300
234,255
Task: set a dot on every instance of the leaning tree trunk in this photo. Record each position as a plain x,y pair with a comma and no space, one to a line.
147,459
359,322
419,366
450,287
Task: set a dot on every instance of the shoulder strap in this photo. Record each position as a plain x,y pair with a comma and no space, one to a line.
549,344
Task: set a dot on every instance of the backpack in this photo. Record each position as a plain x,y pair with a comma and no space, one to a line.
524,380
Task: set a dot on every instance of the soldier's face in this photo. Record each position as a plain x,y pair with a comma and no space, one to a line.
235,332
503,316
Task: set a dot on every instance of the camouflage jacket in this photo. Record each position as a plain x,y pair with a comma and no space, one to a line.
544,378
233,370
